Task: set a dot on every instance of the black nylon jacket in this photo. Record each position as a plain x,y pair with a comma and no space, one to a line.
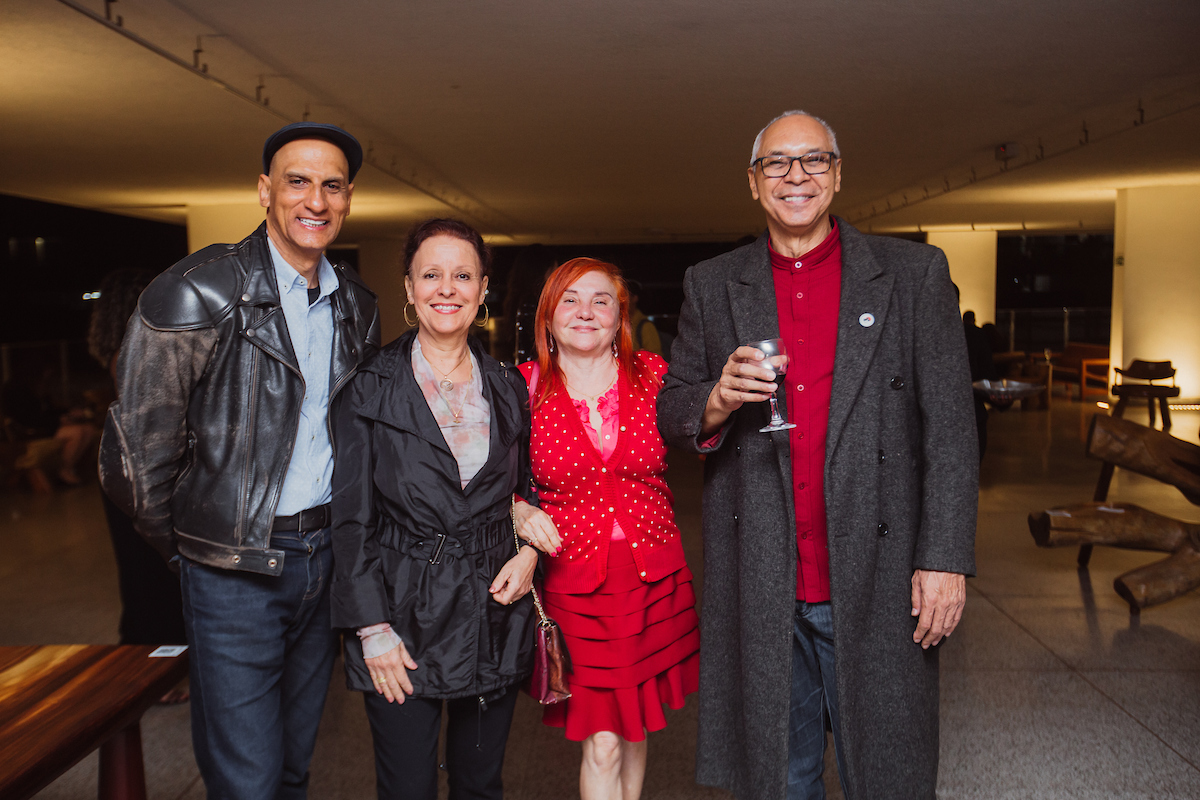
397,499
209,393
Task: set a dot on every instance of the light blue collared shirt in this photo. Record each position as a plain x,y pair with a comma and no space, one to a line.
307,483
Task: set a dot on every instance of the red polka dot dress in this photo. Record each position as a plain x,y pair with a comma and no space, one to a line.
620,589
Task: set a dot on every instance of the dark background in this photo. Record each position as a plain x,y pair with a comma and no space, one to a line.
54,254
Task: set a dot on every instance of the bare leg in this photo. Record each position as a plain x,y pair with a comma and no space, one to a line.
76,438
612,768
633,769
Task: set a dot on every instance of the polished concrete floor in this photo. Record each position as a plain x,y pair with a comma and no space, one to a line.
1050,689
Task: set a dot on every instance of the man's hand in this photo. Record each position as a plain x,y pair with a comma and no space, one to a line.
515,577
389,673
743,380
937,599
536,527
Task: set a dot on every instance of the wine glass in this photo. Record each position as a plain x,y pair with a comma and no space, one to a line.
777,361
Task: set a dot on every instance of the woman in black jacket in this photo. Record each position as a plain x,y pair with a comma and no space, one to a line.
433,441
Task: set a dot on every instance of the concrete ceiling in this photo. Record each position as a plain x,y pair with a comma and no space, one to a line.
606,121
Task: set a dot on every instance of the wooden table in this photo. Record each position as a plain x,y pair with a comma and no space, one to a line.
60,702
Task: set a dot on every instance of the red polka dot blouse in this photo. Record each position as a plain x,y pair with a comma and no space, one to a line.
585,495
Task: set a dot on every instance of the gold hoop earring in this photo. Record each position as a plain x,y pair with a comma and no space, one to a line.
412,323
486,316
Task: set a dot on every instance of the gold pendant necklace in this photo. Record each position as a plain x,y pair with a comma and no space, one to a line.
457,414
446,384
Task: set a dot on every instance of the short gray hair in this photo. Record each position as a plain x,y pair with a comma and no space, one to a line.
796,113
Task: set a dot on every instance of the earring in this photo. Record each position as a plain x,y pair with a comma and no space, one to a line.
486,316
614,348
412,323
551,338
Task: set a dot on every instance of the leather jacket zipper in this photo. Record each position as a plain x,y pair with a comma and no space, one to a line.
250,413
292,440
337,387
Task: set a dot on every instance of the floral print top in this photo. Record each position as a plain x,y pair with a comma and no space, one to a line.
462,414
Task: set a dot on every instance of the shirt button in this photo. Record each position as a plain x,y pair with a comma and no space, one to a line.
800,341
801,485
800,295
604,469
804,536
800,387
799,435
798,265
611,509
634,544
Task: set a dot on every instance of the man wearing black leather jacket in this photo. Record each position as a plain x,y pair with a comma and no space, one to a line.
220,448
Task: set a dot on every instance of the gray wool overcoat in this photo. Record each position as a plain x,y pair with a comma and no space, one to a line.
901,486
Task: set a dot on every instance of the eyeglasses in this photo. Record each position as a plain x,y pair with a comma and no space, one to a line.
812,164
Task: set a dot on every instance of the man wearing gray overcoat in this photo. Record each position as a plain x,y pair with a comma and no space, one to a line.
835,552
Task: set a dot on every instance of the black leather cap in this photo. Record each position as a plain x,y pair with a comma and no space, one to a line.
314,130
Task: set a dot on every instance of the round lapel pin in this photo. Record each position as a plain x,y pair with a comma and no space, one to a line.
866,320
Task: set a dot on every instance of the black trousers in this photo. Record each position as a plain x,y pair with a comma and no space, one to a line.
151,606
406,746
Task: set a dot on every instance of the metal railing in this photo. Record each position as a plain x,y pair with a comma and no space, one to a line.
1036,329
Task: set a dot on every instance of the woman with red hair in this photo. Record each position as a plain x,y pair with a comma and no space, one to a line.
619,586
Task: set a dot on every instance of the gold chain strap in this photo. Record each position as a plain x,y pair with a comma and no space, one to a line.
537,601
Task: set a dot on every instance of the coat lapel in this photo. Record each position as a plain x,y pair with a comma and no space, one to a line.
269,332
401,404
756,317
866,290
506,412
752,296
345,355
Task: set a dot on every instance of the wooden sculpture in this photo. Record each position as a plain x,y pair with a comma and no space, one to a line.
1158,455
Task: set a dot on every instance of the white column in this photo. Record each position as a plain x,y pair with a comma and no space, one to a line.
222,224
1116,333
972,257
379,264
1158,239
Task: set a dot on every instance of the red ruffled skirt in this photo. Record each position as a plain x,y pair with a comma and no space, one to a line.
635,647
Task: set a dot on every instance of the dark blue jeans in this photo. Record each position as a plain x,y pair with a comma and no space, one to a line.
261,649
814,694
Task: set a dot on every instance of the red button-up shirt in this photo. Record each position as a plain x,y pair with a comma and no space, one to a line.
808,292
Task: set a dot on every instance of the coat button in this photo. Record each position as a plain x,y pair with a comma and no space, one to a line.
250,332
237,559
272,563
882,457
897,382
883,529
246,297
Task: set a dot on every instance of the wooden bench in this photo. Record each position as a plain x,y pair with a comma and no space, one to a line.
60,702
